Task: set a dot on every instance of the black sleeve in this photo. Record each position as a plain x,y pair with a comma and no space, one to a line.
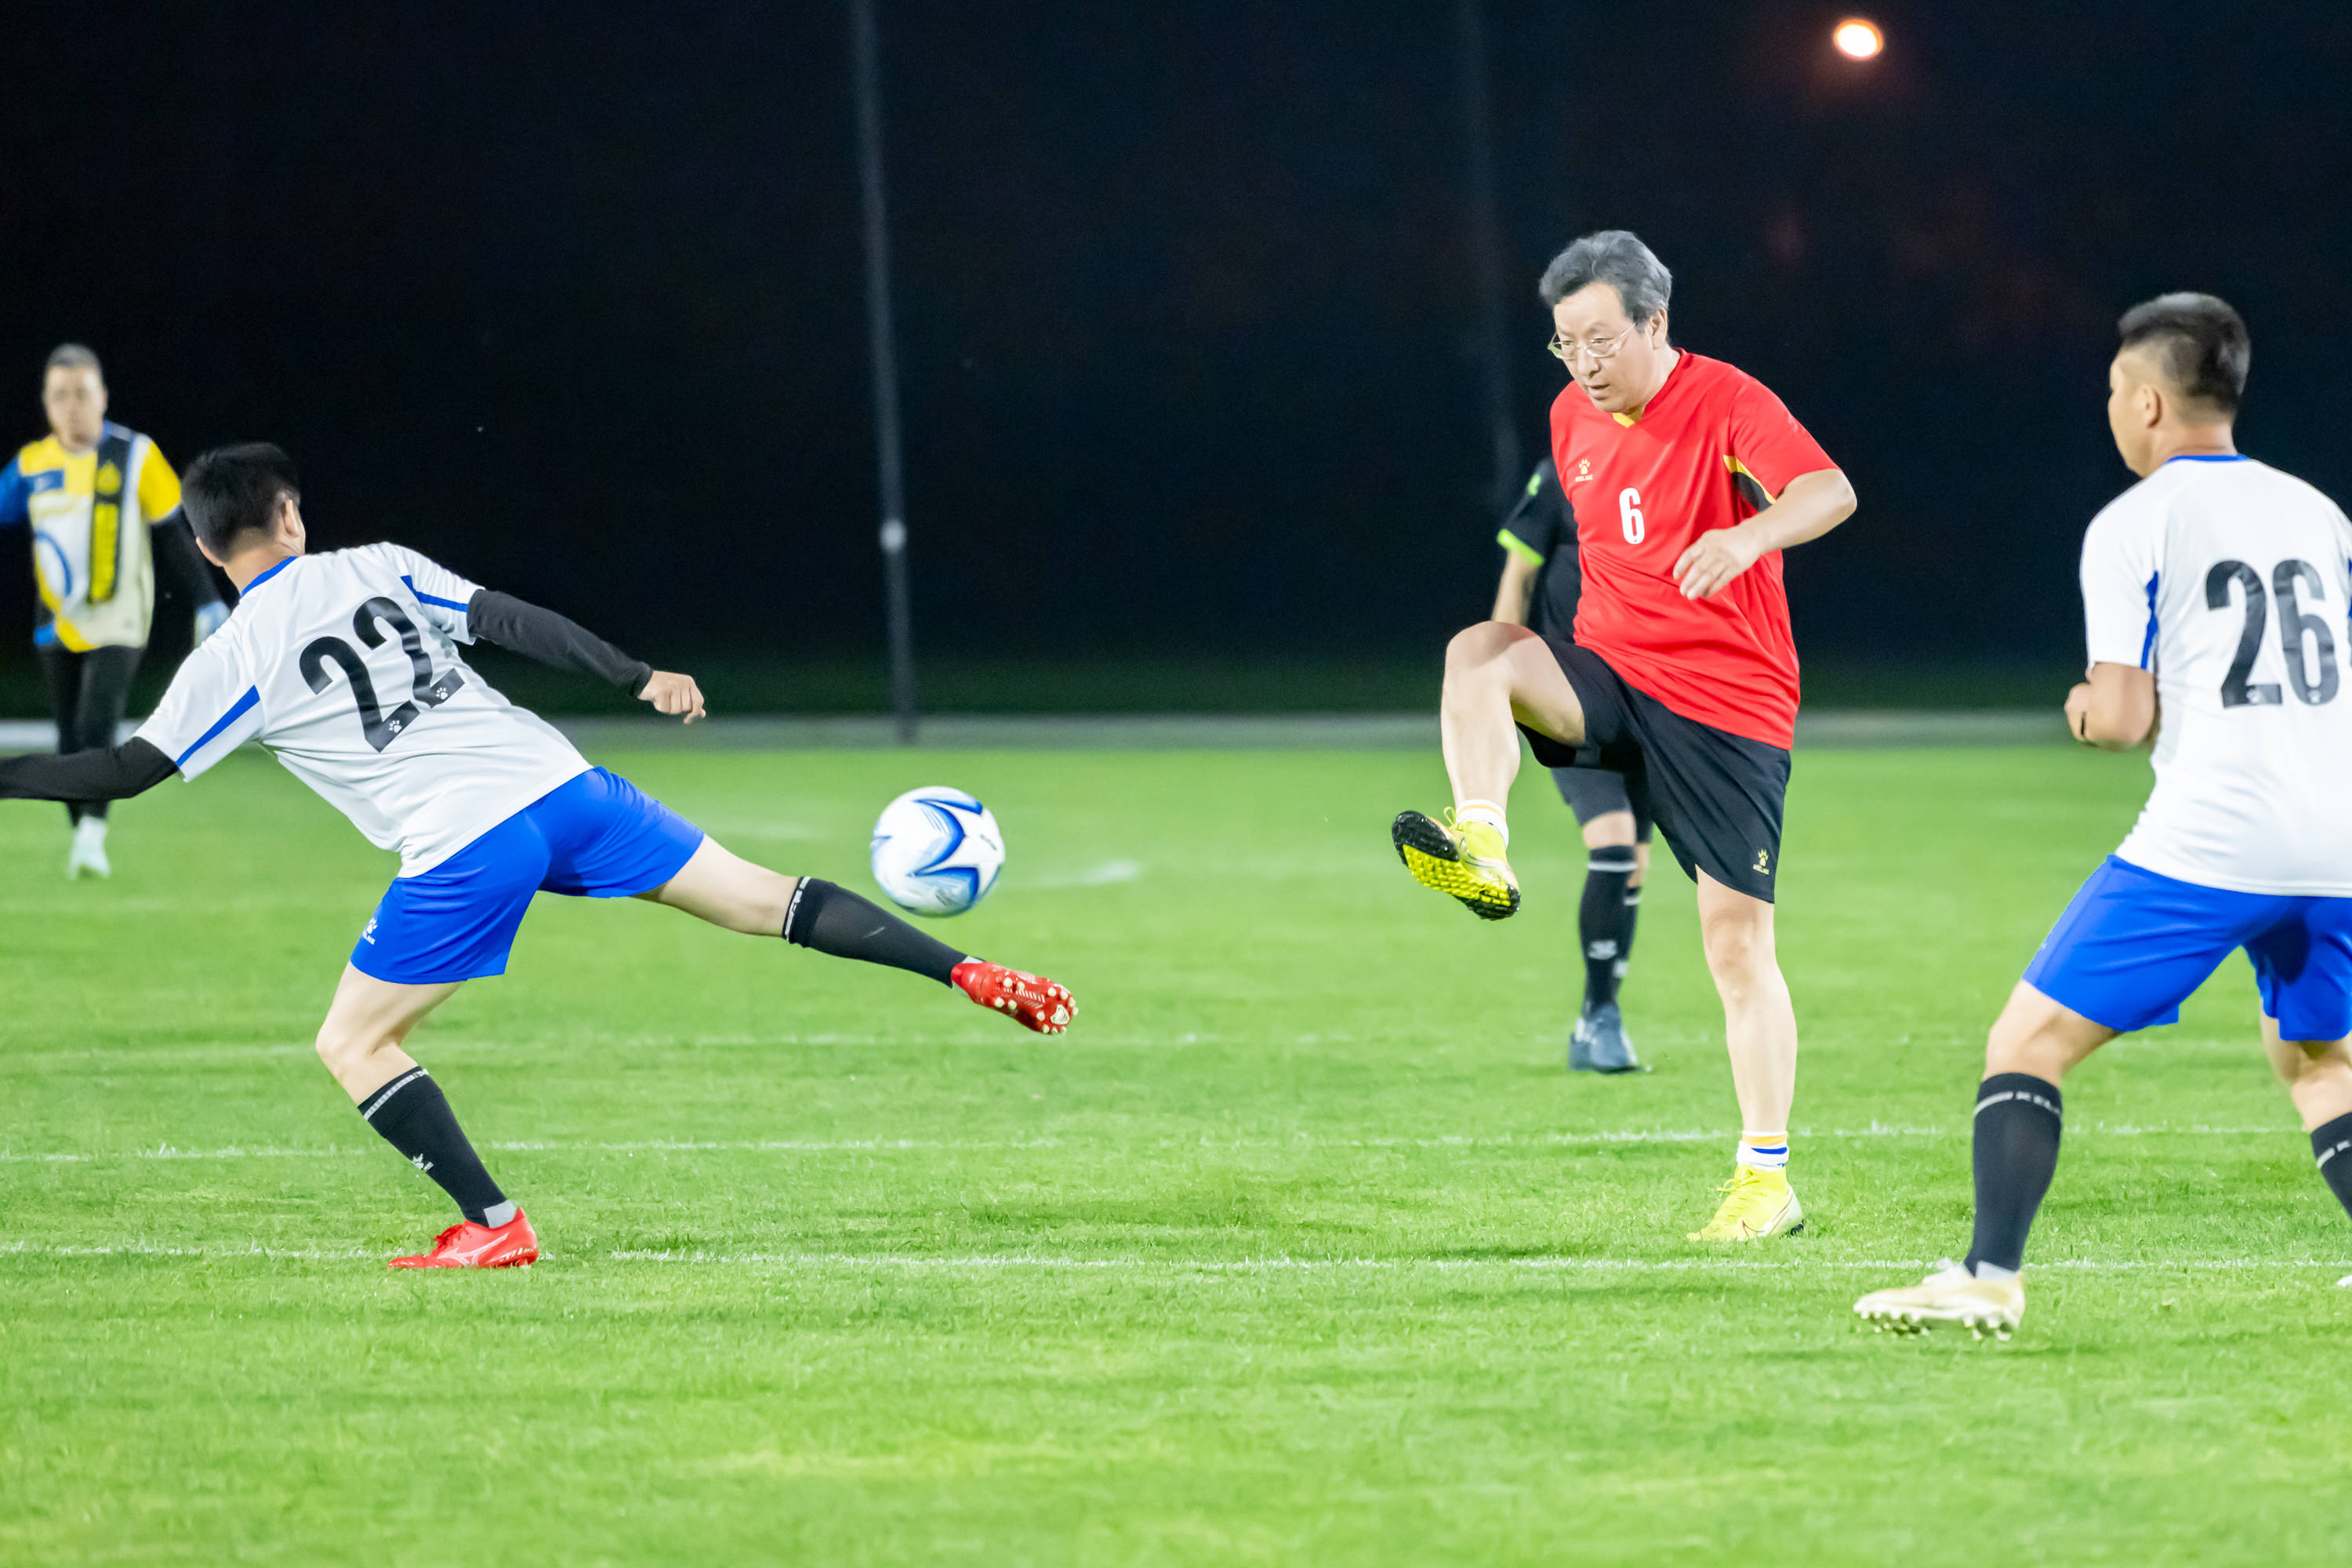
1533,523
175,553
553,639
102,772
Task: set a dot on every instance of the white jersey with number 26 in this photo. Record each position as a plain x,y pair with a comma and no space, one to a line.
2232,581
345,665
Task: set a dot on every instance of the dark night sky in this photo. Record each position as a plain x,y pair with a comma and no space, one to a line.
570,295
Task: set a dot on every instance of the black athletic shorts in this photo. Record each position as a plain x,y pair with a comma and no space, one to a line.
1716,797
1597,792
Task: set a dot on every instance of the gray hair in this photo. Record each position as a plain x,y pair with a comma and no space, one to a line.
1616,258
73,356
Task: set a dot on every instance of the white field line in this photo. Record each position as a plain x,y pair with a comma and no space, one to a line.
1302,1142
990,1262
1170,1268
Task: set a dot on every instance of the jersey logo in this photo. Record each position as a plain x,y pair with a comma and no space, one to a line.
1583,470
1763,862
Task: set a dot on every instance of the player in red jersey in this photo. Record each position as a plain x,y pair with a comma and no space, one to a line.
1687,479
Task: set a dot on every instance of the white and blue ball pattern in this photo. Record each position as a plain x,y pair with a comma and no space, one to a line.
937,851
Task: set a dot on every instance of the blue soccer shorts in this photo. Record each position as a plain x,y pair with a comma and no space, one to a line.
2133,945
597,836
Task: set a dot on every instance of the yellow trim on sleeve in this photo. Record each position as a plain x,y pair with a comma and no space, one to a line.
1519,547
1738,468
159,487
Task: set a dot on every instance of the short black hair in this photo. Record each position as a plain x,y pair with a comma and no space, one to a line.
232,490
2201,342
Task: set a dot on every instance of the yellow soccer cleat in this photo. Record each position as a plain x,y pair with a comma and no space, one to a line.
1756,1204
1464,860
1950,1297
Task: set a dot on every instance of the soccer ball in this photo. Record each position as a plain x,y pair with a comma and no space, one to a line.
937,851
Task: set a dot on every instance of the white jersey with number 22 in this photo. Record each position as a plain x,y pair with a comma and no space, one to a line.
2232,581
345,665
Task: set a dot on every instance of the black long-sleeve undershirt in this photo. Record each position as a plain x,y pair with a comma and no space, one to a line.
552,639
101,773
117,773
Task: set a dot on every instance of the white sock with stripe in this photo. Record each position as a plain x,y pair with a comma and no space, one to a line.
1485,811
1764,1151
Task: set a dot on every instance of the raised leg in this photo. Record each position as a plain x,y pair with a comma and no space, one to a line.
728,890
1498,675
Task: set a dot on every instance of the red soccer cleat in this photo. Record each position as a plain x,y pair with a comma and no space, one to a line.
469,1246
1039,1003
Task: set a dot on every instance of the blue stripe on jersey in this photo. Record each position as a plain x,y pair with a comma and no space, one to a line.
236,710
2148,643
424,598
266,576
2208,457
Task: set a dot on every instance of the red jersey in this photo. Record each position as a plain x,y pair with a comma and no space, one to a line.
1710,450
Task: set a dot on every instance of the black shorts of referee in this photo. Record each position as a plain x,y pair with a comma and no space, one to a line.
1716,797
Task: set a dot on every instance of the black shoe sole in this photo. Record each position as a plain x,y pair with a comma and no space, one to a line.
1415,834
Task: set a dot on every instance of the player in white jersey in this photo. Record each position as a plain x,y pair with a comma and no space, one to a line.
346,666
2215,593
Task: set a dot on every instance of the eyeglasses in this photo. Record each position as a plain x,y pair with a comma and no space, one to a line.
1565,350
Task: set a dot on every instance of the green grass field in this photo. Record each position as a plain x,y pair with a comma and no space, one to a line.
1301,1248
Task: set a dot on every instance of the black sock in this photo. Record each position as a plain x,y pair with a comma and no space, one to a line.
1604,921
2018,1120
414,1118
831,919
2332,1145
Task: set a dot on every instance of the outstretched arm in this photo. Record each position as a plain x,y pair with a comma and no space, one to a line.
102,772
561,643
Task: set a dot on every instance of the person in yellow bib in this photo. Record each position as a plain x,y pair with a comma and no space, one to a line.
103,506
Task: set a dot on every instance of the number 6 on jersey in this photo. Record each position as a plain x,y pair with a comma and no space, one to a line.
1629,513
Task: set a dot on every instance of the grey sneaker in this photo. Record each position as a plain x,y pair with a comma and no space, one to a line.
1599,1043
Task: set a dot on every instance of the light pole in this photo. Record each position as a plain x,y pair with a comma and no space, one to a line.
865,61
1486,253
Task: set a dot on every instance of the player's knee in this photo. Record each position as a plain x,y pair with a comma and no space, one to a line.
767,899
2303,1061
1479,648
343,1046
1739,948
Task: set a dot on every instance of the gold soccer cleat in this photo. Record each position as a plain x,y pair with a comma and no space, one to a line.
1464,860
1756,1204
1950,1297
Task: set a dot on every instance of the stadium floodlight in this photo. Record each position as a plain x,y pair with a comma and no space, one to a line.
1858,38
865,58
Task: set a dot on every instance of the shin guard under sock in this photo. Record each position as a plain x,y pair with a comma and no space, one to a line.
1604,921
828,917
2331,1144
2018,1120
414,1117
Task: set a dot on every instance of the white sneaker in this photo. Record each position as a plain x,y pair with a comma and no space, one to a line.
1950,1297
87,857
